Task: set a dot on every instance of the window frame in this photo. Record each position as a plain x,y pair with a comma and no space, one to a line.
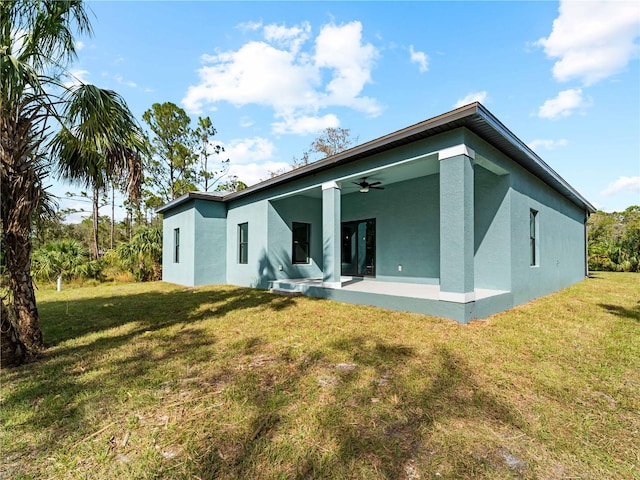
176,245
243,243
534,238
294,243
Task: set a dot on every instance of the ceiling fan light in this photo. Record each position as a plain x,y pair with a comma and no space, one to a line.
364,189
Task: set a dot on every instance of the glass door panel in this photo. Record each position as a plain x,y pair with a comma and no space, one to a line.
359,248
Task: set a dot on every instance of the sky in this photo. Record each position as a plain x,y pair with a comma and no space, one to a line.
564,77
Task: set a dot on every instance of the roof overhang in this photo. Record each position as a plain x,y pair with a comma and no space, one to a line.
209,196
475,117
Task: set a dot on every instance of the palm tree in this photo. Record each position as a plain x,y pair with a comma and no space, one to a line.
60,259
142,255
36,46
100,144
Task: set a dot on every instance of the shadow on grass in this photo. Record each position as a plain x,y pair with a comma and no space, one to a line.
51,393
65,320
366,438
632,313
266,383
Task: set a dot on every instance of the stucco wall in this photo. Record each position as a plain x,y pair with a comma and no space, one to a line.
560,236
182,217
282,213
210,263
407,228
492,230
560,230
258,269
202,259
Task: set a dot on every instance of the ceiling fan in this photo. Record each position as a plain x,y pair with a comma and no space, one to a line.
365,186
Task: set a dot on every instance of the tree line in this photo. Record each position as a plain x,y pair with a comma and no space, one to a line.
87,135
84,134
614,240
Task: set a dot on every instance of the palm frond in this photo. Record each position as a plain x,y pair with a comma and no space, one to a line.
100,140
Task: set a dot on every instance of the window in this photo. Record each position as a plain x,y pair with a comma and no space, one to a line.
176,245
533,237
301,238
243,243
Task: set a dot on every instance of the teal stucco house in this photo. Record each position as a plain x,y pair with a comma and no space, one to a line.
454,216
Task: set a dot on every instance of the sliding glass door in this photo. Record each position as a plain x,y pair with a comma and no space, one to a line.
359,248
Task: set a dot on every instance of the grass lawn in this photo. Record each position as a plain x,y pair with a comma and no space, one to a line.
158,381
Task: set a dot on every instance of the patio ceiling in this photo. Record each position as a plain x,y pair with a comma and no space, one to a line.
388,175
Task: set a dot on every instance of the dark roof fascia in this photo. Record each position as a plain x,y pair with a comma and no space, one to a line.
189,196
379,145
532,162
467,116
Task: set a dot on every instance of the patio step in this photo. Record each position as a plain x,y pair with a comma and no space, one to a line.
285,292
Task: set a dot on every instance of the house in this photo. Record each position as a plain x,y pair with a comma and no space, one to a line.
454,216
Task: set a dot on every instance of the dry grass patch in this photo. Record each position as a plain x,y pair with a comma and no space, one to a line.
158,381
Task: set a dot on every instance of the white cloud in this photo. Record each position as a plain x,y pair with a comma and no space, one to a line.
622,185
249,26
127,83
593,40
547,144
419,58
251,159
290,38
340,49
79,45
247,150
472,97
279,73
302,125
564,104
257,73
253,173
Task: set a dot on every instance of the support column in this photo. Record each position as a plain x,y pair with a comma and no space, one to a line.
331,235
456,224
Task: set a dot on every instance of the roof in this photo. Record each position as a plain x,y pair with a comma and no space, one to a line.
210,196
475,117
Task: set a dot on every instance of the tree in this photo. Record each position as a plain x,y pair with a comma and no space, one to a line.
614,240
234,184
12,350
332,141
204,133
142,255
329,141
36,46
60,259
170,170
36,42
99,144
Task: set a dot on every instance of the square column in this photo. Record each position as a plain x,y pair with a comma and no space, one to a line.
456,224
331,216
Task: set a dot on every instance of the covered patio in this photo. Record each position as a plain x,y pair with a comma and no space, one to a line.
416,297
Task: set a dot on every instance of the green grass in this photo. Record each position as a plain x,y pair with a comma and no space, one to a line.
158,381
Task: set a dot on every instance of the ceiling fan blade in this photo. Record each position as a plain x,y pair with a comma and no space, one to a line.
377,188
374,183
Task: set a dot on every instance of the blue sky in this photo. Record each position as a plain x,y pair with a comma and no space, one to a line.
564,77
